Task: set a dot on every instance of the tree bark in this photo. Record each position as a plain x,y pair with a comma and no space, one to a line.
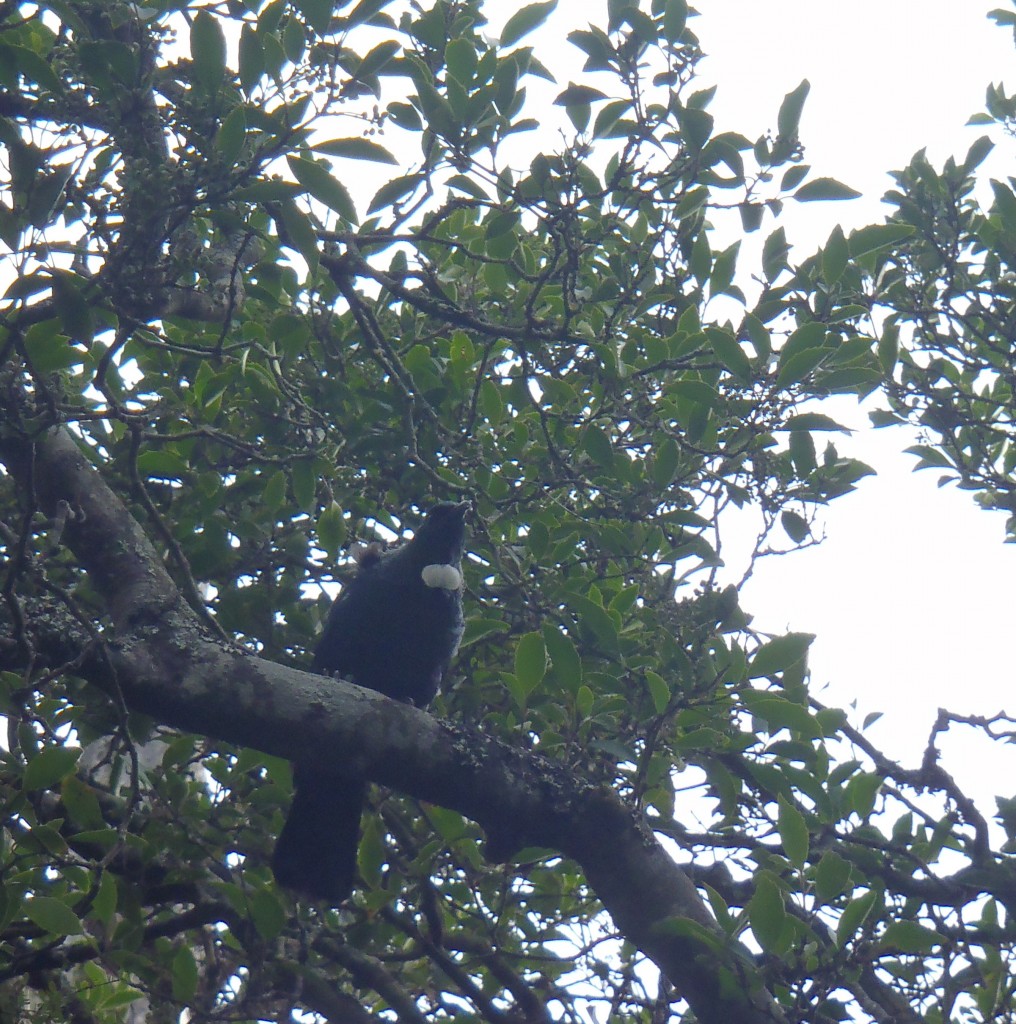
161,662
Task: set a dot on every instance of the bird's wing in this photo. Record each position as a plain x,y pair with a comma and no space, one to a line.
353,618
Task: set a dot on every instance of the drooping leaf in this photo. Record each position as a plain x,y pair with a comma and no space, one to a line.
208,49
323,186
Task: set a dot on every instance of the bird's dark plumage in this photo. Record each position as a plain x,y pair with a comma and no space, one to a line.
393,628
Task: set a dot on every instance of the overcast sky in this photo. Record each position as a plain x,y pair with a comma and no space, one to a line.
913,594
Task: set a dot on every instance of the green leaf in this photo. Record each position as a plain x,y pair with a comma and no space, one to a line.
766,913
862,790
24,61
183,974
701,261
796,526
317,12
696,126
461,60
666,458
789,118
909,937
730,353
835,256
797,367
977,153
300,231
808,336
164,465
584,700
392,191
564,656
111,65
50,766
877,236
48,349
231,134
208,50
53,916
686,929
831,876
751,216
675,17
331,530
317,180
578,95
889,348
356,149
694,199
530,661
104,904
598,445
524,20
81,802
251,59
825,188
273,496
608,122
464,183
268,913
793,176
813,421
659,691
774,256
779,654
779,713
294,40
596,619
491,403
793,832
377,59
854,915
304,474
724,267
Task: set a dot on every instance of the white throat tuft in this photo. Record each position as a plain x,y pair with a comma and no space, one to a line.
446,577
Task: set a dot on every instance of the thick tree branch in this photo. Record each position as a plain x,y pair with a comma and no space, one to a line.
164,664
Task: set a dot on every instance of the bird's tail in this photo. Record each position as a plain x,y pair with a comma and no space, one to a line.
315,854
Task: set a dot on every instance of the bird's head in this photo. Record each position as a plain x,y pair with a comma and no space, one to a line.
441,536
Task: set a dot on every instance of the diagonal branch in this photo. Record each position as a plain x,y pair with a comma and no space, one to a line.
165,664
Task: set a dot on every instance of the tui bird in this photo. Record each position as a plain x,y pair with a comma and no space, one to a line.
393,628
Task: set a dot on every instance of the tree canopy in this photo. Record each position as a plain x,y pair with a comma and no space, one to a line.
282,276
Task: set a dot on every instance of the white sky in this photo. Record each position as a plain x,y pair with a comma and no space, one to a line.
912,594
